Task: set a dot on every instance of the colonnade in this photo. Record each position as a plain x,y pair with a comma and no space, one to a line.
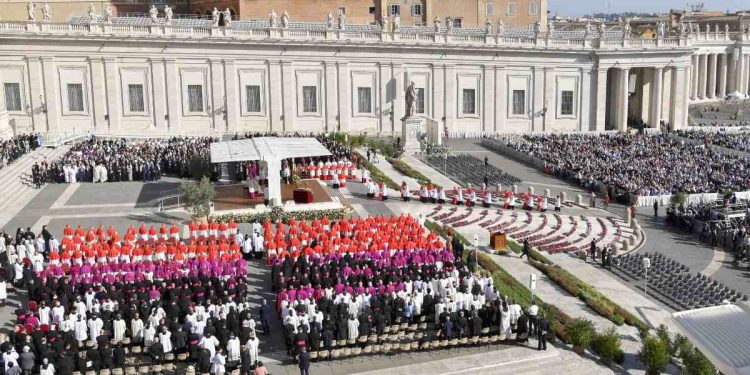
717,74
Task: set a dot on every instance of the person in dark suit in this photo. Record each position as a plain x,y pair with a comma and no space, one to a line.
119,356
543,328
204,360
179,340
304,362
265,314
448,328
64,365
526,249
522,328
328,341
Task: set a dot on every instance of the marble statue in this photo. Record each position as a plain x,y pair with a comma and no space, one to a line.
448,24
215,17
285,19
227,17
273,18
716,29
537,28
108,13
384,23
661,30
500,27
92,13
488,27
342,19
46,13
168,15
396,23
626,29
550,27
411,100
436,23
31,9
329,20
602,30
587,30
726,29
153,14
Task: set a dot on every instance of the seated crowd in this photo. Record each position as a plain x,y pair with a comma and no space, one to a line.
739,141
346,287
103,160
105,301
471,196
638,164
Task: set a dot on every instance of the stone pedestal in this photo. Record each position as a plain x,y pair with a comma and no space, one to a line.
627,216
547,193
499,187
225,176
411,128
579,200
563,197
515,189
531,190
625,246
633,223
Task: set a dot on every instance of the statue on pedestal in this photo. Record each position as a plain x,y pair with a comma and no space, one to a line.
168,15
31,9
342,19
92,13
154,14
108,13
396,23
626,29
436,22
448,24
215,17
550,27
602,30
500,27
661,29
273,19
726,29
587,30
384,23
227,17
488,27
410,97
46,13
285,20
329,20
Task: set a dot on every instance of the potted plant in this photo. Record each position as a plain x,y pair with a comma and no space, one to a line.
654,354
607,345
198,197
580,332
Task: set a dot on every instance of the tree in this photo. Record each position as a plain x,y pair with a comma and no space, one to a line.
695,362
198,196
654,354
581,332
607,345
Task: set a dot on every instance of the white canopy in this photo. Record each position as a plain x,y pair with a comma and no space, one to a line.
722,333
271,150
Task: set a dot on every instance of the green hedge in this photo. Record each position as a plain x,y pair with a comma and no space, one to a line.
407,170
277,213
376,174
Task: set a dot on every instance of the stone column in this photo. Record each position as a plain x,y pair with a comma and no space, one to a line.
585,100
437,97
449,95
712,75
656,97
746,77
694,81
702,70
622,105
550,99
679,104
599,124
722,75
739,73
732,71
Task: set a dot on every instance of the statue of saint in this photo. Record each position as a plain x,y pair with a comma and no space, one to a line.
273,18
92,13
46,13
500,27
411,100
168,15
329,20
436,22
285,20
227,17
384,23
153,14
108,13
342,19
449,24
396,23
215,17
488,27
31,9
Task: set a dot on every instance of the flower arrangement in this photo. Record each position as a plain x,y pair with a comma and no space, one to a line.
277,213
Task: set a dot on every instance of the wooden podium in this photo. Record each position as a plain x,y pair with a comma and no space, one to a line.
498,241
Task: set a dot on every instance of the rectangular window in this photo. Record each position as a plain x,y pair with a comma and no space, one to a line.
566,102
395,9
457,23
309,99
511,9
416,10
371,10
252,98
364,102
12,96
533,8
519,102
195,98
75,97
135,98
490,9
469,101
341,10
420,100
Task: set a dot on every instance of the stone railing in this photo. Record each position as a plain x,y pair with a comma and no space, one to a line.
359,33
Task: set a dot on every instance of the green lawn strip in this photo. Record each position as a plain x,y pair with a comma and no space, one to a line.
376,174
577,287
407,170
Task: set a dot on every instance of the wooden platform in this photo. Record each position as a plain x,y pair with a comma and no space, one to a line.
234,196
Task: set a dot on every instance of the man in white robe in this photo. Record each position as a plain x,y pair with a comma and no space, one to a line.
251,349
80,329
233,349
165,338
95,325
118,328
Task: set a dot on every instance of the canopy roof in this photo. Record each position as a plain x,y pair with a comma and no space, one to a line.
722,333
266,148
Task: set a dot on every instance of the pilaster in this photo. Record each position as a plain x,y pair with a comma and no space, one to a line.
218,107
158,102
450,96
174,99
36,88
501,99
288,90
537,99
488,99
232,101
98,94
275,107
49,80
585,98
344,96
600,103
549,106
